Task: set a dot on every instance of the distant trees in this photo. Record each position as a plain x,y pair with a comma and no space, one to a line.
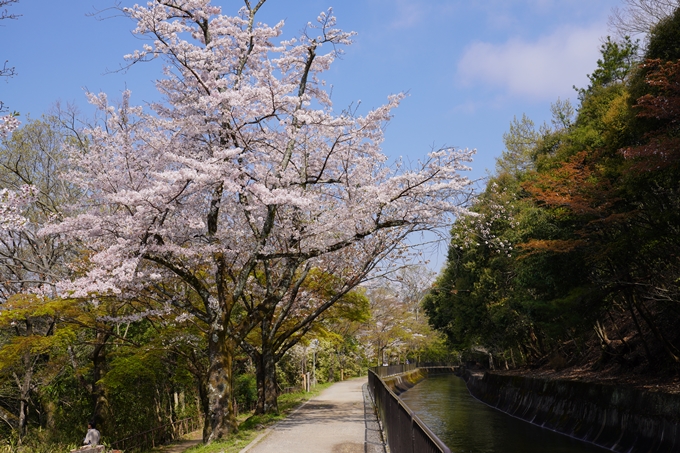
31,264
397,330
322,298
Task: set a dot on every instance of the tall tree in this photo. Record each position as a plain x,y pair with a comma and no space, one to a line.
244,179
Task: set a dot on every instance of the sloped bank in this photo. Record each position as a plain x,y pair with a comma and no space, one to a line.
401,382
618,418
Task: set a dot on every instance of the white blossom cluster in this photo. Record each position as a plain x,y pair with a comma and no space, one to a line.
7,124
481,229
12,203
137,316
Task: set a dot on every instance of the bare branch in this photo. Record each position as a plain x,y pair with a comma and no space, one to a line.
638,17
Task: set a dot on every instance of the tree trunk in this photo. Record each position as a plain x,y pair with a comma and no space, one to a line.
631,309
203,404
331,371
97,397
24,385
24,393
267,385
221,415
271,390
259,380
670,349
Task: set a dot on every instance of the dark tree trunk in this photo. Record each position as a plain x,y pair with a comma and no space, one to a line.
671,351
267,385
271,390
24,393
97,397
221,415
205,407
24,384
631,309
259,380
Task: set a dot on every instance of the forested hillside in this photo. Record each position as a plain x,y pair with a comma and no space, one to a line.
573,256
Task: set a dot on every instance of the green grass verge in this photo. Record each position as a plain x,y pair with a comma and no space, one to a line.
253,425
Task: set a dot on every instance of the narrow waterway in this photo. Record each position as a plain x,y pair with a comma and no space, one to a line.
465,424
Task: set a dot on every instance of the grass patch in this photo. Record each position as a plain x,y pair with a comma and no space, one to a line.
252,426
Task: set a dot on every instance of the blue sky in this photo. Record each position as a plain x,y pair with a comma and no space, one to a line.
469,66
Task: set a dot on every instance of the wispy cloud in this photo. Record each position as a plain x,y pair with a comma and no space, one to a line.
543,69
408,14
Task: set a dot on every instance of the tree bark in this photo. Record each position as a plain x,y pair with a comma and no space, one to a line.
671,351
631,309
271,390
24,394
221,415
259,380
98,399
267,384
24,384
205,407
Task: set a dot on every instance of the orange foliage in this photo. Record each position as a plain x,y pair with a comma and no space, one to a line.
555,246
663,144
575,185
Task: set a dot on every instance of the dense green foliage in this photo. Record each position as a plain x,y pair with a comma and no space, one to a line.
573,254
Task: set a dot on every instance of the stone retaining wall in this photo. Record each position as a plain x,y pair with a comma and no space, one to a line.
618,418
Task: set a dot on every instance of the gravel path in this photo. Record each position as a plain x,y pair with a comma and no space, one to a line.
340,420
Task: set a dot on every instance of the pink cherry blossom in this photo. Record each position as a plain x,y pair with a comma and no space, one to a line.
245,178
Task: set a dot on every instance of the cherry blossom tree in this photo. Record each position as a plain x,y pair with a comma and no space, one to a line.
243,180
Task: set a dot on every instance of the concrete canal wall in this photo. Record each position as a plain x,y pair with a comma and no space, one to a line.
618,418
404,381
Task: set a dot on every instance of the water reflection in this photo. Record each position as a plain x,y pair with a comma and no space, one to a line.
467,425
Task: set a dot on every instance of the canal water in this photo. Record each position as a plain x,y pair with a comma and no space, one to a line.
465,424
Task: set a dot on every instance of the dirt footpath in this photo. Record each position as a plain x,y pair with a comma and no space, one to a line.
181,445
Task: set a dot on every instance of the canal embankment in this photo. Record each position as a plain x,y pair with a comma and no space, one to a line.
400,383
619,418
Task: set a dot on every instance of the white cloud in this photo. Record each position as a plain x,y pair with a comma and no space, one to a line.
408,14
541,70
